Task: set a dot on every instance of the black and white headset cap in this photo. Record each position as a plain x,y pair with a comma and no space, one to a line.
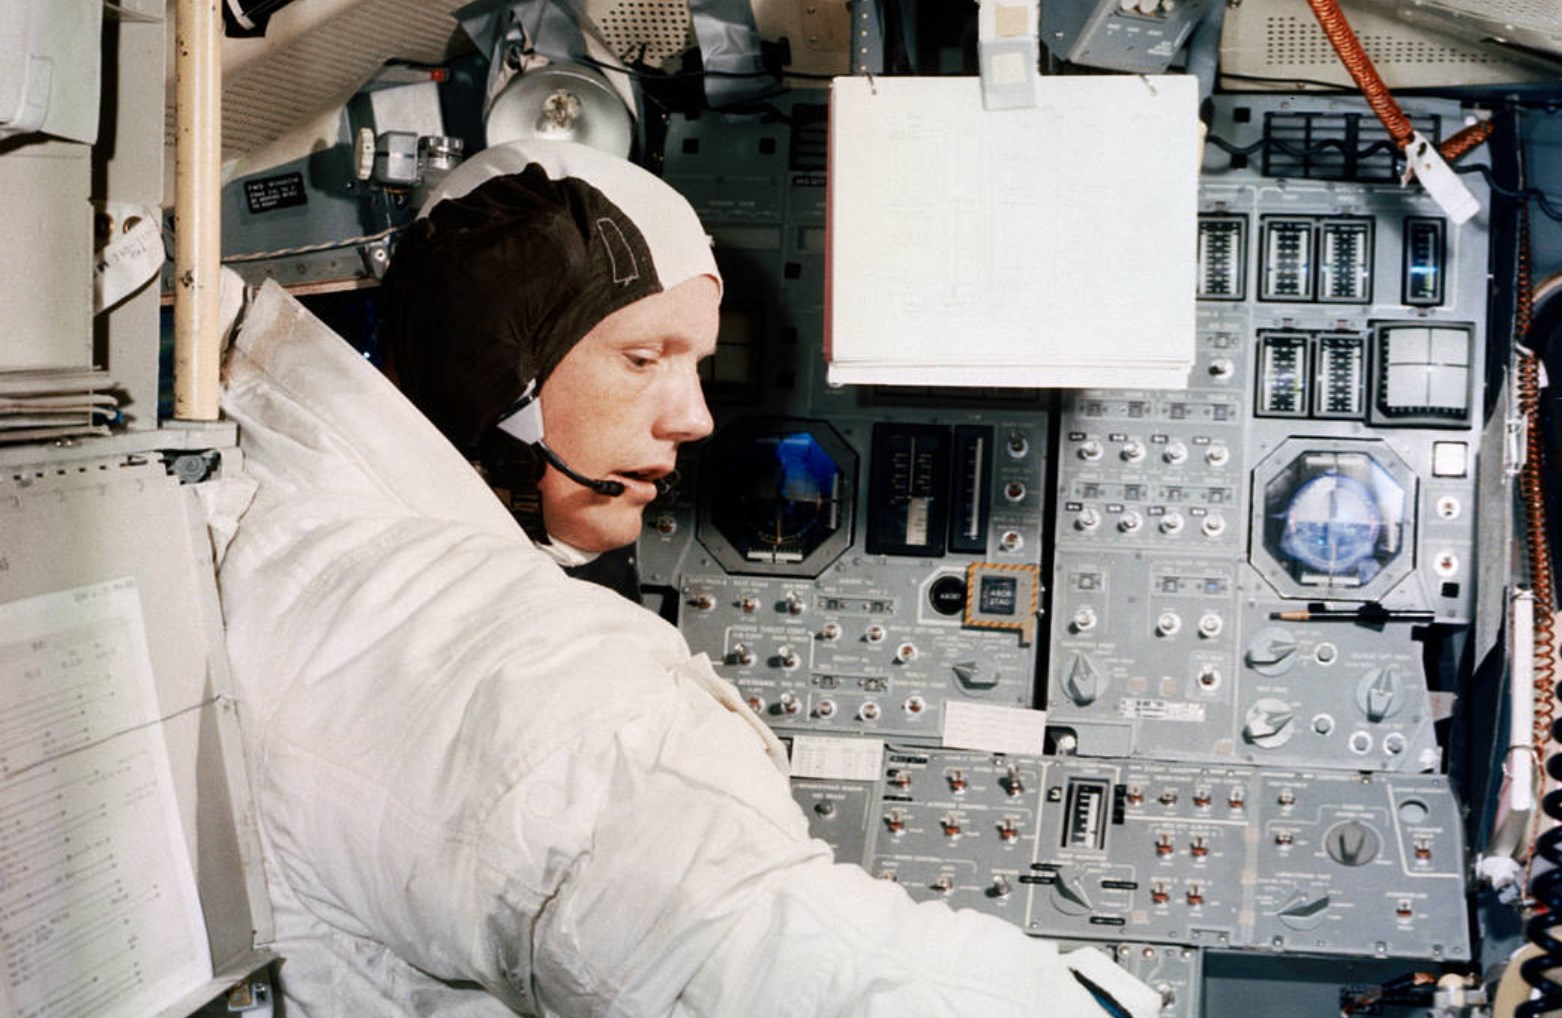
519,253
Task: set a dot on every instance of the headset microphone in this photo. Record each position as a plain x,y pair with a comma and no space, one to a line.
602,487
523,420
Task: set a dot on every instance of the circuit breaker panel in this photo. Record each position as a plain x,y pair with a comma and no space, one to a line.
1245,570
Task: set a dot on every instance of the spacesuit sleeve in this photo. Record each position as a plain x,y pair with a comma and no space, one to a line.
523,781
703,895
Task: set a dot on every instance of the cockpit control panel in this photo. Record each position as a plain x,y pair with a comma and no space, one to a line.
1224,597
1246,570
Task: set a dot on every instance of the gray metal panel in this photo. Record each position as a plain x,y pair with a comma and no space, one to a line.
758,185
46,262
1173,880
132,171
1120,36
1320,862
1176,973
1164,641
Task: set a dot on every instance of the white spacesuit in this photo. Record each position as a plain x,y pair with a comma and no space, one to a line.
485,787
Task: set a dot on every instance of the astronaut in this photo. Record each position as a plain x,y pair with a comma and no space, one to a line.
487,788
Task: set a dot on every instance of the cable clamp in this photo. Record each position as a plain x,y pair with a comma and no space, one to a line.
1515,444
1426,164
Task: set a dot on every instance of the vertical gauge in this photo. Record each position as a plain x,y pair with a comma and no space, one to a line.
1222,257
1282,375
908,490
1288,259
972,489
1345,261
1086,811
1426,250
1340,376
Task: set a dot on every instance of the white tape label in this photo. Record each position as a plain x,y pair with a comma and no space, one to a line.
994,729
817,756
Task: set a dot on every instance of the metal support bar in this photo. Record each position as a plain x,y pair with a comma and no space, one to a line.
197,208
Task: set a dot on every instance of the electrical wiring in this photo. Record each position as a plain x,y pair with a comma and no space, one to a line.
330,245
1545,888
635,72
1299,152
1540,199
1307,152
1331,86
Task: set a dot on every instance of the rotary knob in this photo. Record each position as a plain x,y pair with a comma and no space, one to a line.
1082,680
1380,693
1304,911
1352,843
1272,651
1069,896
1269,723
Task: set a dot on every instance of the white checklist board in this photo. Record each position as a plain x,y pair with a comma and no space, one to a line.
98,909
1053,246
129,876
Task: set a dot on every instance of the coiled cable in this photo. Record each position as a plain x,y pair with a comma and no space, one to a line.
1545,888
1375,90
1361,70
1533,496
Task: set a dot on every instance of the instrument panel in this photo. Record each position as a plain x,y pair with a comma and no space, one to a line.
1220,601
1246,569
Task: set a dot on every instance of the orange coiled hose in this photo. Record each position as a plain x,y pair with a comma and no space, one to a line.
1530,488
1532,493
1366,76
1457,145
1361,70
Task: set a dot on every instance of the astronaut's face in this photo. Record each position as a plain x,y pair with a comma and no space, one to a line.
617,407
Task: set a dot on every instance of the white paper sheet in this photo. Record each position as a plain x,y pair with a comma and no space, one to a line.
1051,246
99,914
840,759
995,729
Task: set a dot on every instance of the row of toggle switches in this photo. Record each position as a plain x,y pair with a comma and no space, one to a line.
1167,623
1170,522
1134,451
